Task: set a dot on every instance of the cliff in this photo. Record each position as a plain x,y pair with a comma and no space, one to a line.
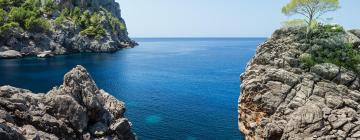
50,27
77,109
298,88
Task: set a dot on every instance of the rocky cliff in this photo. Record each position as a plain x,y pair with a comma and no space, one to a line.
49,27
77,109
283,98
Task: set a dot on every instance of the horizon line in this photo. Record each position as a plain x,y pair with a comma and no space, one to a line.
199,37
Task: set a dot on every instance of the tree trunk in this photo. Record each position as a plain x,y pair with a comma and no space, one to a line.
308,29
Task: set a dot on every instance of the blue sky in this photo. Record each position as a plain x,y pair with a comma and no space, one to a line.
217,18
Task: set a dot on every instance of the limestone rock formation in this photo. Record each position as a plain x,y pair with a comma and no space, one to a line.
66,36
282,99
77,109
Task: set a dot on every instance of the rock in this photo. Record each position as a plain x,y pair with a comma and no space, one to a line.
356,32
282,99
45,54
10,54
98,129
8,133
327,71
120,126
353,38
75,110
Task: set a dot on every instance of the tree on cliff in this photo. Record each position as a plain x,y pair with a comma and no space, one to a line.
310,9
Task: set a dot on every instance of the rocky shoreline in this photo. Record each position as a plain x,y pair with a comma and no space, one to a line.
66,34
77,109
282,99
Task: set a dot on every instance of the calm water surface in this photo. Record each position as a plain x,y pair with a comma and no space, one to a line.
174,89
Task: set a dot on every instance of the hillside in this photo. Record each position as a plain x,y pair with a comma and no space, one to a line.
47,27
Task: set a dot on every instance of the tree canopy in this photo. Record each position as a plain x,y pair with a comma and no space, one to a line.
310,9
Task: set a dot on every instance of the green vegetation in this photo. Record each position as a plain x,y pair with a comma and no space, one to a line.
23,14
28,15
310,9
93,31
329,45
37,24
294,23
115,23
91,23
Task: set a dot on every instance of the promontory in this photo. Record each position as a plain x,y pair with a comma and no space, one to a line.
45,28
303,85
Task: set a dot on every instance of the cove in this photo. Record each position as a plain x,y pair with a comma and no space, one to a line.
174,88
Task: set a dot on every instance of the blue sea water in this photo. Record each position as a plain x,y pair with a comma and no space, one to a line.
174,88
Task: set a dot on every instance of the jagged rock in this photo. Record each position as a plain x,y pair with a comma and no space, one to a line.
78,109
282,99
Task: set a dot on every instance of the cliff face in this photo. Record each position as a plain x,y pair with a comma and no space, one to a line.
78,109
283,99
54,27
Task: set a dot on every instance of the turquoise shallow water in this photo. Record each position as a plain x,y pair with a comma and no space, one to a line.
174,89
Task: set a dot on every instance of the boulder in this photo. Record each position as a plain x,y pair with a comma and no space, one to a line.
78,109
10,54
45,54
326,70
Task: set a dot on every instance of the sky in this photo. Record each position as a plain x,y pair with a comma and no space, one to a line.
217,18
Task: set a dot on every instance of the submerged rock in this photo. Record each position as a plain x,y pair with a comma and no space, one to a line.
77,109
282,99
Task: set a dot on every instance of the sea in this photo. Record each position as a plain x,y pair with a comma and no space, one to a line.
174,88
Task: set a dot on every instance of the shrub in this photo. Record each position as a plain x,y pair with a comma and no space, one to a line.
92,31
37,24
10,3
6,27
3,15
85,19
307,59
18,14
32,5
343,55
116,24
330,28
95,19
49,6
4,3
59,20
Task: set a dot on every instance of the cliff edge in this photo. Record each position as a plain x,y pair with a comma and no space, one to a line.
78,109
295,88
